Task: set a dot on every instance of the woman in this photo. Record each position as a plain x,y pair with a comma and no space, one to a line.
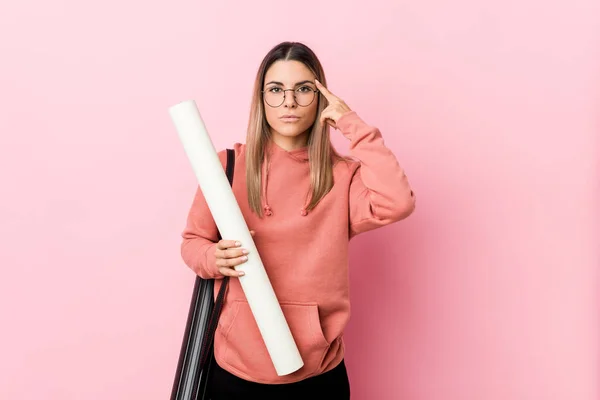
303,203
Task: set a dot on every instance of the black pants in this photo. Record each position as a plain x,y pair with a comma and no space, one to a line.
332,385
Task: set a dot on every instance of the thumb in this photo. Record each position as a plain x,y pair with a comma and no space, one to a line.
325,118
324,115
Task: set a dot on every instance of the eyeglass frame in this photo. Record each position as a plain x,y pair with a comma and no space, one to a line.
315,91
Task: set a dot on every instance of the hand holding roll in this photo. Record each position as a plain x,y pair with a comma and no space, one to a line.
229,254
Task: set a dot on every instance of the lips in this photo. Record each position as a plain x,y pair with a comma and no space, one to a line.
290,118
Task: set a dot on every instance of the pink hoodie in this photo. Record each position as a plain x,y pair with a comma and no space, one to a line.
304,253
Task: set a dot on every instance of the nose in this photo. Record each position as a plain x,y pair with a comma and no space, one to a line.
289,100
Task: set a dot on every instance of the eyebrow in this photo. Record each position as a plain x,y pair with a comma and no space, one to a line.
281,84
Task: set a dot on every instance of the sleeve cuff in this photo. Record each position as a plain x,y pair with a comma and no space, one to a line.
350,123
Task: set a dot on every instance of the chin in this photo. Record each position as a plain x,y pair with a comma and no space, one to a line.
291,131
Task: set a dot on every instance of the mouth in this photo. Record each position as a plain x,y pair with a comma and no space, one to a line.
289,118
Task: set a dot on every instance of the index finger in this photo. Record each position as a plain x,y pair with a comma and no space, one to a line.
328,95
227,244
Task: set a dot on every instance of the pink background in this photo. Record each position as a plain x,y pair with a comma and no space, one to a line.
487,292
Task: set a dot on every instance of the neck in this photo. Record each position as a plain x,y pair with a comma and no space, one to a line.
290,143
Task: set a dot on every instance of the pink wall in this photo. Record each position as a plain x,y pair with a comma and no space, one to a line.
486,292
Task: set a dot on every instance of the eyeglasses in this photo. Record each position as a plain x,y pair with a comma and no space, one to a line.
304,95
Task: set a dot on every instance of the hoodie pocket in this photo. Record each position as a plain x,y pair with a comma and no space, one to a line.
246,352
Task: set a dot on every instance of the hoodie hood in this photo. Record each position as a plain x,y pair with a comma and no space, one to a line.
274,151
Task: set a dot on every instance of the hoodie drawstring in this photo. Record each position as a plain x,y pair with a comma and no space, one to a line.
266,207
303,210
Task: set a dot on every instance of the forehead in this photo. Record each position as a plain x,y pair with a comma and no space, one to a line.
288,72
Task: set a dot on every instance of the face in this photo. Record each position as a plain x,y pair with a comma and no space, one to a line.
298,111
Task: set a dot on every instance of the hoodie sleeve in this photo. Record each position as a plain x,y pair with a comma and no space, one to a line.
380,193
200,236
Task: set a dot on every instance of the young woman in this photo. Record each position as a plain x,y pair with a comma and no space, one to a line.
303,202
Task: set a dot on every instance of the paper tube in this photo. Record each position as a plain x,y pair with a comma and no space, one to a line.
231,224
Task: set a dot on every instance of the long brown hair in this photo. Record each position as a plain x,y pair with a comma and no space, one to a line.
321,153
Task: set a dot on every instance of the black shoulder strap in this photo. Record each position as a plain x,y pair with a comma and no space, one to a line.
230,165
214,318
229,168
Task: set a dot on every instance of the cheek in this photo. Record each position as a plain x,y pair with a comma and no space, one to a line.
270,114
311,114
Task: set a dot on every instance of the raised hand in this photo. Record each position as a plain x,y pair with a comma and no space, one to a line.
336,108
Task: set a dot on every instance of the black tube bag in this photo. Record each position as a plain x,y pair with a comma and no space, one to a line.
197,354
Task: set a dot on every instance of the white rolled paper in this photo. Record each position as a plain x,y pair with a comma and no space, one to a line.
231,224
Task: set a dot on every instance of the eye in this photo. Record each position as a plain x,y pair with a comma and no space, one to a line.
274,89
304,89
